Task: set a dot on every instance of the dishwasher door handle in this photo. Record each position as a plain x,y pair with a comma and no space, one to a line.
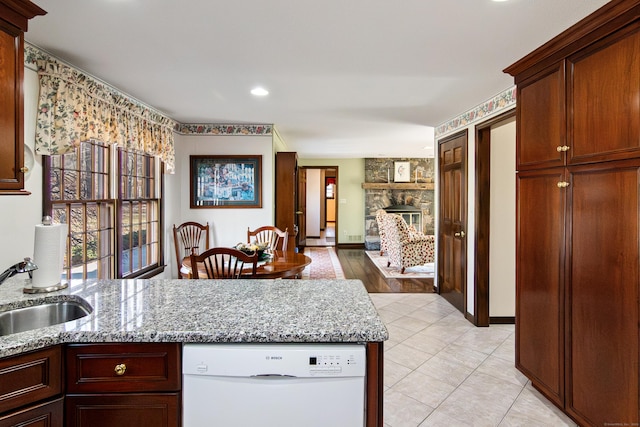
272,376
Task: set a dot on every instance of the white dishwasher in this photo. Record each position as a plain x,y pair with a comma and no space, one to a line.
280,385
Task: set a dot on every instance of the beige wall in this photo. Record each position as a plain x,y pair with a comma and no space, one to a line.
502,237
350,197
228,226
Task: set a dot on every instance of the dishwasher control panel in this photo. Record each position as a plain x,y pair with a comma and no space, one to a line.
262,360
328,362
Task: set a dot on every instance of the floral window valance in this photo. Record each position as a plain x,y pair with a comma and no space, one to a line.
73,107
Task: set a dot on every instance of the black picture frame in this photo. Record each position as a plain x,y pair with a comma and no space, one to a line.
225,181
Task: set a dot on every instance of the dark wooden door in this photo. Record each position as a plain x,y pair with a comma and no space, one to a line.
602,315
540,234
285,195
452,239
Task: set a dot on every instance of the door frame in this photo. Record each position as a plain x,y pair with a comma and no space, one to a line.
337,191
482,219
440,256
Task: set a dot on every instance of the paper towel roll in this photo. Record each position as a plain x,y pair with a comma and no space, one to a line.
48,254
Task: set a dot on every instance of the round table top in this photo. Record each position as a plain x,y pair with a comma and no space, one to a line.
280,265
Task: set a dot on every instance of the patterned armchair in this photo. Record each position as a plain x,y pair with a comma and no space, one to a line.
380,214
405,247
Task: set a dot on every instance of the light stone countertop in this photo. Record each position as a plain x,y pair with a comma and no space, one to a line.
204,311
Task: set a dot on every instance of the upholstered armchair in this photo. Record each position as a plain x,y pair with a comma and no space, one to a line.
381,226
406,248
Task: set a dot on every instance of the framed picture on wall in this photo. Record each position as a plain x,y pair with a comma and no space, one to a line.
402,172
225,181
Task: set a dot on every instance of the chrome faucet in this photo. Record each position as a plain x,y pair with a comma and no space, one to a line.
26,266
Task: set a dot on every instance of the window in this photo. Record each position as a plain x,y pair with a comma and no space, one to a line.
138,212
109,237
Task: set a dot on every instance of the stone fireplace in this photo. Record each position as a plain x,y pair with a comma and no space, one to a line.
413,200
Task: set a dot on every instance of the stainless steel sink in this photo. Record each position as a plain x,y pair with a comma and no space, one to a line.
40,316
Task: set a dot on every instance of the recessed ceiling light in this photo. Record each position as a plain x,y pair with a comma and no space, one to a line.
259,91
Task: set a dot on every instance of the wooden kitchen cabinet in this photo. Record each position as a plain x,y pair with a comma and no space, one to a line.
285,195
540,280
578,216
602,294
29,384
602,96
123,384
541,120
14,16
588,113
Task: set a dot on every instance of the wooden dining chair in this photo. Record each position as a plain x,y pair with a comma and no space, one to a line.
189,237
276,238
223,263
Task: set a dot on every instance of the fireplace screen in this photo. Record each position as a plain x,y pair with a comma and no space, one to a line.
410,214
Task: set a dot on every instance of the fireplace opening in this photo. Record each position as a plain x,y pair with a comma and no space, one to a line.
411,214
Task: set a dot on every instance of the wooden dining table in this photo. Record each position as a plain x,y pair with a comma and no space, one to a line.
279,266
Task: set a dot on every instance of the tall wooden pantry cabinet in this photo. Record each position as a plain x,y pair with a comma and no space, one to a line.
578,216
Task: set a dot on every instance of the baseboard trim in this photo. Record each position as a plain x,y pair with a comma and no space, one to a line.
350,245
502,320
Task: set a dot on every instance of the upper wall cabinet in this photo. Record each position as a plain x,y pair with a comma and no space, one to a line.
14,16
541,130
603,99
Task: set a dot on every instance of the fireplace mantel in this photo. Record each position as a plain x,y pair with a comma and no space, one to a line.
398,186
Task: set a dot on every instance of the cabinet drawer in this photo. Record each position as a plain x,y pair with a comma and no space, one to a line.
48,414
104,368
30,377
123,410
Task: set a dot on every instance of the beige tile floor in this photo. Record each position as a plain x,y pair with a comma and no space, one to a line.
440,370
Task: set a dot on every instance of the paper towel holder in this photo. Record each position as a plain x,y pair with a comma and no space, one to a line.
46,220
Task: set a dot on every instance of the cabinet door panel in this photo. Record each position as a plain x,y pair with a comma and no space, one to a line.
30,377
123,410
603,296
604,98
540,276
541,120
48,414
11,105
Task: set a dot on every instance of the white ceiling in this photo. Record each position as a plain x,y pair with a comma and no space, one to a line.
348,78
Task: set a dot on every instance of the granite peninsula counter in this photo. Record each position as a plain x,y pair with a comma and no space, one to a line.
238,311
132,314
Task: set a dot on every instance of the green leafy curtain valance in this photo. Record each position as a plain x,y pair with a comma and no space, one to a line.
74,107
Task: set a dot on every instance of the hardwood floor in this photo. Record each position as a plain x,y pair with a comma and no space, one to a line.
356,265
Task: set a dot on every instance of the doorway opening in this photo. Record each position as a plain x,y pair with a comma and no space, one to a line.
495,176
320,208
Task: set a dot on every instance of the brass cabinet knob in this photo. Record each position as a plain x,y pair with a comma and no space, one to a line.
24,169
120,369
563,184
562,148
460,234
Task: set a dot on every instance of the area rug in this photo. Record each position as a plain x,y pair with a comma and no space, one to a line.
324,264
426,271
